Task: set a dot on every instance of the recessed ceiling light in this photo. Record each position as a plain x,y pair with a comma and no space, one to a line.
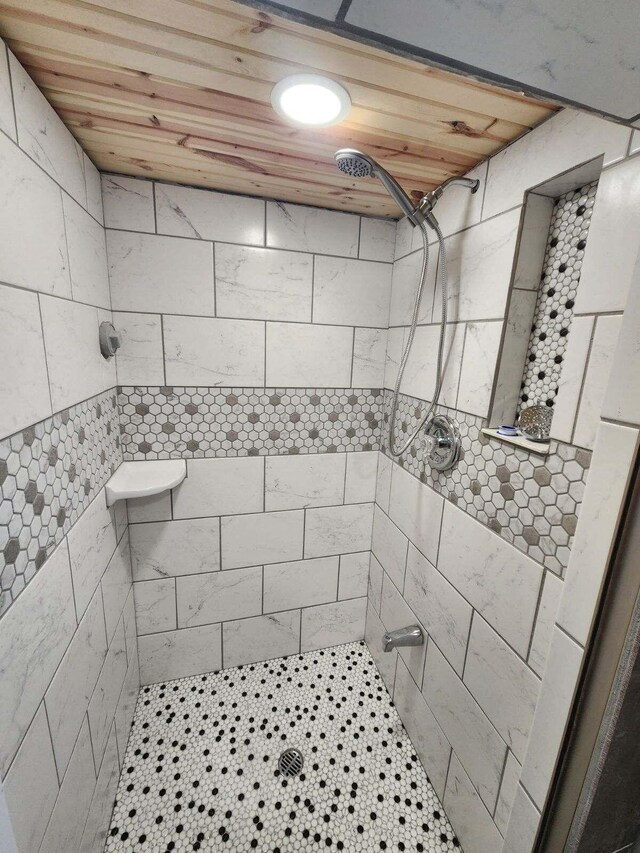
310,100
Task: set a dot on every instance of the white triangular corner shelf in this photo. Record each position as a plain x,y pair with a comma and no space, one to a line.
142,479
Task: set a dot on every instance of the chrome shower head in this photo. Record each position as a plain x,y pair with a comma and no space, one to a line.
357,165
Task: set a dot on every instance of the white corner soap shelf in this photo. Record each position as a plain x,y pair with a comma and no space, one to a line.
142,479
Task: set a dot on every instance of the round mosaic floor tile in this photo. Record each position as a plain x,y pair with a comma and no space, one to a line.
201,767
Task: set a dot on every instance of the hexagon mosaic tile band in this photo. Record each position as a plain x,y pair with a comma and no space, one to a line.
201,767
531,501
161,423
49,474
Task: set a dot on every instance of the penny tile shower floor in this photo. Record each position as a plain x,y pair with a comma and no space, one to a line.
200,771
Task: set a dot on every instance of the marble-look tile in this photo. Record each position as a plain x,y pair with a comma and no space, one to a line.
104,701
354,575
603,347
634,145
622,400
87,256
93,184
24,387
295,482
422,727
7,117
34,251
360,485
419,378
547,610
385,661
203,351
534,233
417,510
480,263
92,541
263,284
119,518
64,831
115,584
468,730
504,687
395,613
218,596
499,581
261,638
333,624
440,607
612,247
31,786
155,606
552,712
369,351
611,466
309,229
374,587
404,237
126,707
458,208
172,274
508,788
395,347
572,377
271,537
208,215
477,376
523,824
77,370
154,508
404,288
43,135
389,545
95,830
322,356
129,618
128,203
220,487
517,329
383,483
140,359
67,697
300,584
350,292
177,654
473,823
37,628
564,141
171,548
377,239
337,530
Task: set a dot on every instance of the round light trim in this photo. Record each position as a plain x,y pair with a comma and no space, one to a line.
310,100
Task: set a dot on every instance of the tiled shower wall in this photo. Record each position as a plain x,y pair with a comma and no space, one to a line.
68,659
443,545
254,337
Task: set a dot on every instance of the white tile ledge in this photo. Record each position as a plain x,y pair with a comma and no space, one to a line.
539,447
142,479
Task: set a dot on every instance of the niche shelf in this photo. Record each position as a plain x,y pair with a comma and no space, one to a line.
142,479
539,447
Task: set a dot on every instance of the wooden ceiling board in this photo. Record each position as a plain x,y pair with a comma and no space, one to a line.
180,90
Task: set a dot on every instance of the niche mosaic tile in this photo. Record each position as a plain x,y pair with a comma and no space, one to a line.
160,423
531,501
570,220
49,474
200,770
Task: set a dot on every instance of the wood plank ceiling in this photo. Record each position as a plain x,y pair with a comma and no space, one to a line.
180,90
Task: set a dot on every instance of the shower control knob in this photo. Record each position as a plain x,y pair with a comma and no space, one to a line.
442,442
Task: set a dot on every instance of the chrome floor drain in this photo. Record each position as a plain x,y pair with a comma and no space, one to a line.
290,763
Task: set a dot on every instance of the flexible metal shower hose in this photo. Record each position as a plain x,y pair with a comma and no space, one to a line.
442,277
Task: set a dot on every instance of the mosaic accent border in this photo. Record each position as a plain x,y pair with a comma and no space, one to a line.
49,474
531,501
189,422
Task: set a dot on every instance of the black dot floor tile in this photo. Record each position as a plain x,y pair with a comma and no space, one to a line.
201,767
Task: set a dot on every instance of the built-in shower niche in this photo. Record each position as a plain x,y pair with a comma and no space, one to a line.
553,238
